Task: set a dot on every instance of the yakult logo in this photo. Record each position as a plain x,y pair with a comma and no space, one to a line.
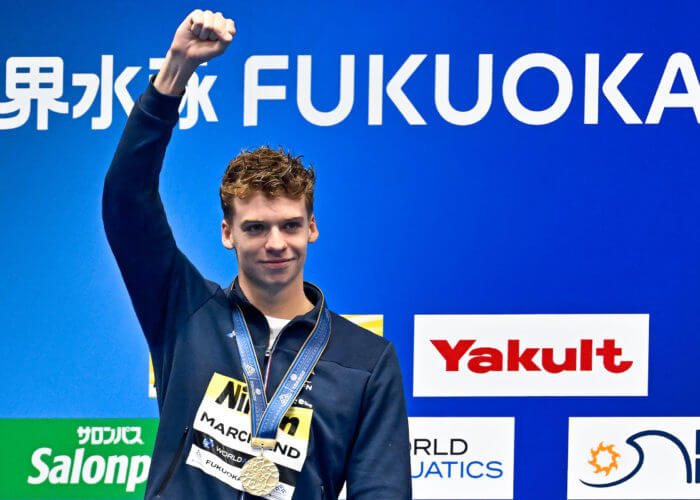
531,355
516,358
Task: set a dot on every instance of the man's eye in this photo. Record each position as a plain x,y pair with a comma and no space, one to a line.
253,228
292,226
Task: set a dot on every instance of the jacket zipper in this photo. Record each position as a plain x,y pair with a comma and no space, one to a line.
174,462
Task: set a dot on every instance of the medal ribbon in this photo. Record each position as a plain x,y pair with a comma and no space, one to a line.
266,418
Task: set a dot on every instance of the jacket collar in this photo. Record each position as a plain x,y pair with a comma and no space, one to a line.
256,320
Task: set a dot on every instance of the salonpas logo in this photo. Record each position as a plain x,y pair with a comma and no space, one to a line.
75,458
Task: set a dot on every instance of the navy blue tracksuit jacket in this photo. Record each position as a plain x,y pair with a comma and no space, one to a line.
359,430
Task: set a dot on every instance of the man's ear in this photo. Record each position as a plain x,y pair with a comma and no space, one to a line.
313,229
227,235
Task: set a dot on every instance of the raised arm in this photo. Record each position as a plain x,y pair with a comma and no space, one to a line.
159,278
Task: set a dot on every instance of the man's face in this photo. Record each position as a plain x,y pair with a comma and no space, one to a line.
270,236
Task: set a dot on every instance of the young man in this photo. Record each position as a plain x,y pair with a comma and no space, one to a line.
262,391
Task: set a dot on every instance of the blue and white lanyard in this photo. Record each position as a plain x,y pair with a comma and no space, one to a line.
266,418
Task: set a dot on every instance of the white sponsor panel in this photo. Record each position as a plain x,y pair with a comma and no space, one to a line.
461,458
634,458
531,355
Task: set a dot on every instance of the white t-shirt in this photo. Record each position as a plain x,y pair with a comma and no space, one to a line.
276,325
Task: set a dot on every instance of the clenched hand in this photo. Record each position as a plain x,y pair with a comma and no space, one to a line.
202,36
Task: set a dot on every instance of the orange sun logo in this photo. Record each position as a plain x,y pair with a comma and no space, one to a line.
610,452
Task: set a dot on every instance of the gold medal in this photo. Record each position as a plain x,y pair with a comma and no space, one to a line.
260,476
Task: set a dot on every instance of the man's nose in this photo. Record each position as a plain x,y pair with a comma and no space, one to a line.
275,241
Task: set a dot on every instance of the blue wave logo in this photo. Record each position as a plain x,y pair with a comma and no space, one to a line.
632,441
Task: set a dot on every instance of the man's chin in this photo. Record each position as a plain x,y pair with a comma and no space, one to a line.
276,279
273,280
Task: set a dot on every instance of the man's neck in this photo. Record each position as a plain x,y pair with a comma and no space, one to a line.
285,303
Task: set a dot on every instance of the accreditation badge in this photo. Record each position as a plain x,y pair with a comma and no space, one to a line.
222,434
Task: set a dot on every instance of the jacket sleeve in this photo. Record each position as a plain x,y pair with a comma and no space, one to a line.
163,285
379,466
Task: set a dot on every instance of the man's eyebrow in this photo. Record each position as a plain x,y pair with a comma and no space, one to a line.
258,221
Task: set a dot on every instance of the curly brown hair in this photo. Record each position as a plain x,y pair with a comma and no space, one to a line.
271,172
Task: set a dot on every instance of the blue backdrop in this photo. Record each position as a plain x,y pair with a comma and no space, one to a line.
490,218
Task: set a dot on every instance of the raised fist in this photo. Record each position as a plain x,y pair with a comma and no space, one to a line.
202,36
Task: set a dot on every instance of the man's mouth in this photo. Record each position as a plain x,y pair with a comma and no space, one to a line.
275,263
